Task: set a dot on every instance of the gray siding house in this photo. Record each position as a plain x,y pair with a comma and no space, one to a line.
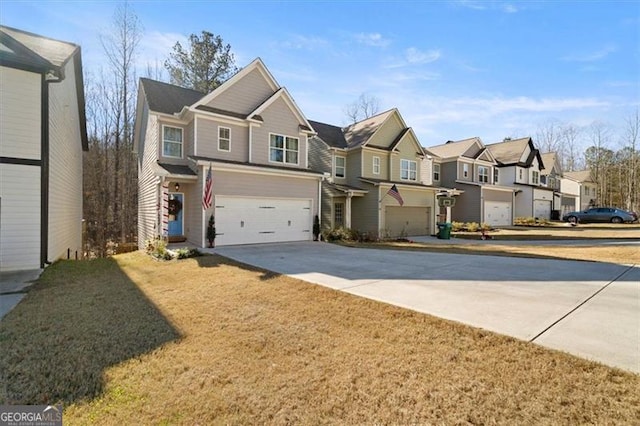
253,139
43,136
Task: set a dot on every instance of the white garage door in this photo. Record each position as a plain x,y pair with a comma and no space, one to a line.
497,213
542,209
241,220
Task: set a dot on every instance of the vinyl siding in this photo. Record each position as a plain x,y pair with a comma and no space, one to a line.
388,133
468,206
407,151
20,99
19,217
278,119
208,141
187,142
148,187
489,195
65,169
524,202
194,226
448,173
320,156
364,211
368,164
354,168
469,177
412,198
245,95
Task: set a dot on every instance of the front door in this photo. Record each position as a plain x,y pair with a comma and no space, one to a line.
176,207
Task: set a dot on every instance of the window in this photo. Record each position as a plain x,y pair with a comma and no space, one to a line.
283,149
376,165
496,176
520,173
408,170
534,177
483,174
436,172
224,139
341,165
465,170
172,141
338,216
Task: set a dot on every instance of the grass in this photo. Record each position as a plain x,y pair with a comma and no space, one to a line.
211,341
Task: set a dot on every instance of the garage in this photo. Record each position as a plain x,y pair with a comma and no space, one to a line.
542,209
244,220
407,220
497,213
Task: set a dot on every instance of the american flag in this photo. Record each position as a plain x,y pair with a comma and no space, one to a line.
393,191
206,198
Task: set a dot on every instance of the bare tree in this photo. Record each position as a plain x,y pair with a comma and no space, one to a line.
632,161
598,158
549,136
570,154
364,107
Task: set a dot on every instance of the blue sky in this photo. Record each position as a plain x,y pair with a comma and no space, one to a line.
454,69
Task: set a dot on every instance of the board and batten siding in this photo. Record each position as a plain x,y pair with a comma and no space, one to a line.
468,206
20,128
524,202
364,210
207,137
320,161
65,169
245,95
278,119
448,174
148,186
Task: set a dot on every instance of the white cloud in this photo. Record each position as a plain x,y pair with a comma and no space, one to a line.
301,42
592,56
509,8
415,56
372,39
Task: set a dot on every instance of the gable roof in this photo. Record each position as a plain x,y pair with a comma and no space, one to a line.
331,135
550,159
455,148
168,98
579,175
509,152
359,133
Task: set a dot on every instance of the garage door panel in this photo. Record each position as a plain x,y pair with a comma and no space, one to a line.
405,220
497,213
542,209
242,220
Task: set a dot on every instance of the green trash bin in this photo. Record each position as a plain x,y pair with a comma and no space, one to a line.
444,231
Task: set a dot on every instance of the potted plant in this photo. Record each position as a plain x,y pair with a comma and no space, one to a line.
211,232
316,228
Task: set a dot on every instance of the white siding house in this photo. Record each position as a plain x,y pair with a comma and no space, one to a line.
43,135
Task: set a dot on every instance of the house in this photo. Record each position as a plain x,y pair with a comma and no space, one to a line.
469,167
551,177
251,137
579,187
43,135
365,161
520,166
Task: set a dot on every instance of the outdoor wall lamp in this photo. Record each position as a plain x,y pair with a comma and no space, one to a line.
177,186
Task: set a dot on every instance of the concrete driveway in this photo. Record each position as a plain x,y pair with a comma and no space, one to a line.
588,309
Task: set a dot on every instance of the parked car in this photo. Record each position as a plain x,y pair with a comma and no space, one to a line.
600,214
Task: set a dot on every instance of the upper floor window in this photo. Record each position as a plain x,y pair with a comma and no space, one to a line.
465,170
483,174
341,166
496,176
520,173
543,180
283,149
535,177
224,139
408,170
376,165
436,172
172,141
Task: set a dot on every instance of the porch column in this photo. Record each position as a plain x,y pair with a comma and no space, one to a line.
348,211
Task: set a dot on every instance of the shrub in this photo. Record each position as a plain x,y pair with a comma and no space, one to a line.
337,234
185,253
524,221
485,227
457,226
473,226
157,248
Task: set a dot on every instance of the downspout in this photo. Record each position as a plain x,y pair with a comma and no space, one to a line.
250,140
44,172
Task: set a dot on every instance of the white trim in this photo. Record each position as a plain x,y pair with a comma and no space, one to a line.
162,154
408,178
433,172
219,118
284,149
195,135
255,169
183,212
465,169
335,167
487,176
250,140
229,139
373,166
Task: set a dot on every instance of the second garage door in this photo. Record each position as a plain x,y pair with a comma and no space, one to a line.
242,220
407,220
542,209
497,213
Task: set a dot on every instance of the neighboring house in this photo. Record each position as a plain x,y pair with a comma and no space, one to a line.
520,165
253,137
469,167
579,187
365,160
551,177
42,139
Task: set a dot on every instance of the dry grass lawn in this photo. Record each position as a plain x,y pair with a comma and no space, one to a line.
210,341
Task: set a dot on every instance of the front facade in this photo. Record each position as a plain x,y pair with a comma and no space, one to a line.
250,137
469,167
43,134
364,161
520,166
579,187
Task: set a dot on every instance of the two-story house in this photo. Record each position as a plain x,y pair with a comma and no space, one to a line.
551,177
365,161
578,186
250,137
42,138
520,165
469,167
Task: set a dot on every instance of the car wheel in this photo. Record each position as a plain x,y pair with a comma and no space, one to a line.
572,219
616,220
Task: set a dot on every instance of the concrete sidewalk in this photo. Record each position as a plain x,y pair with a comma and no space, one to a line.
585,308
13,287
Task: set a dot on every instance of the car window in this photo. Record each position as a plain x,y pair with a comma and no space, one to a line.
601,210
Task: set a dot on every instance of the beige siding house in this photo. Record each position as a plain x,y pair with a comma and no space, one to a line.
43,134
578,186
365,160
251,135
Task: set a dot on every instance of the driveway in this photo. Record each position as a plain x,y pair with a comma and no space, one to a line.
585,308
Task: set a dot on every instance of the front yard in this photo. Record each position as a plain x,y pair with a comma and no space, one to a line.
210,341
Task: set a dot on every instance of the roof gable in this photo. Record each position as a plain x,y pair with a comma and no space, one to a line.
515,152
407,136
551,163
579,175
32,49
361,132
168,98
284,95
461,148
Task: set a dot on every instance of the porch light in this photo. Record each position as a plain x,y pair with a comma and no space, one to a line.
177,186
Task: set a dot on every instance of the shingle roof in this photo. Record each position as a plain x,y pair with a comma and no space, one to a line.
454,148
549,159
33,49
579,175
510,151
176,169
331,135
168,98
360,132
